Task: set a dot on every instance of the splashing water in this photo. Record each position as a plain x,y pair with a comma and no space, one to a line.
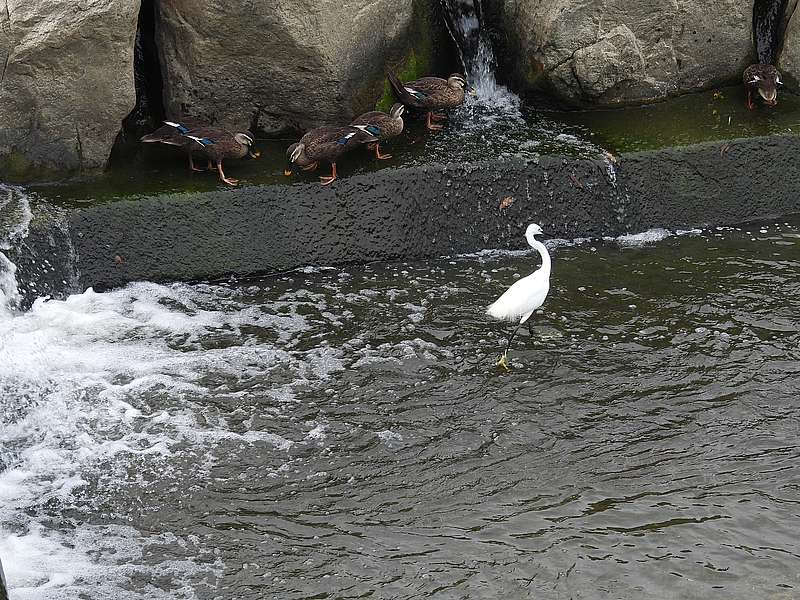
15,217
464,23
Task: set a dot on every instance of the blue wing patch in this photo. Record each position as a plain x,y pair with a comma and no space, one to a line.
181,128
343,140
374,130
416,93
204,141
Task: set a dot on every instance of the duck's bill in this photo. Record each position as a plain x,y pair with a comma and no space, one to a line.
255,153
287,172
769,96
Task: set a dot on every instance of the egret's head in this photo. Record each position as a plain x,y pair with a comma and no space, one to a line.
533,229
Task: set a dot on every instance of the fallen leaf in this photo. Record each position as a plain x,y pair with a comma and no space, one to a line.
576,182
506,202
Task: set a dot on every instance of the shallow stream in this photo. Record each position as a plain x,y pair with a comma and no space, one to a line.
343,433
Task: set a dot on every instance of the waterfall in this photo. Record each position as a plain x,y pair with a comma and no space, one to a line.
15,217
768,24
464,21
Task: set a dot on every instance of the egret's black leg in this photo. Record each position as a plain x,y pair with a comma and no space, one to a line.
511,339
530,328
503,362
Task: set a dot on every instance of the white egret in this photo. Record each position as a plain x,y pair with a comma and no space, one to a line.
526,295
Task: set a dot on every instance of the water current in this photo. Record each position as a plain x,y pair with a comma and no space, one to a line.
343,432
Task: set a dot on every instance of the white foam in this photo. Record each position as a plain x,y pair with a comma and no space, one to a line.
651,236
77,379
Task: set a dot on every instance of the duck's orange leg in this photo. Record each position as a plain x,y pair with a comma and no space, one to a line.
378,154
222,175
332,178
432,126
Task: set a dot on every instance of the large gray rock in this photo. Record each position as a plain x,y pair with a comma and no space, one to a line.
279,64
789,61
66,82
612,52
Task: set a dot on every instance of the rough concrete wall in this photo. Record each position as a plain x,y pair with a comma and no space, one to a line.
409,213
614,52
285,63
66,82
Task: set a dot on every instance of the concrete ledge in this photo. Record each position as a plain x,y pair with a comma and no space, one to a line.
417,212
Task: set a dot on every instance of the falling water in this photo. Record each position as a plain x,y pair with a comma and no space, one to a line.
15,217
464,20
768,23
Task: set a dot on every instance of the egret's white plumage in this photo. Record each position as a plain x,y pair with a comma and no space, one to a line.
526,295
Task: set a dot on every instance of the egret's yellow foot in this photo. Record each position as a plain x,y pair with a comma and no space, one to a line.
503,361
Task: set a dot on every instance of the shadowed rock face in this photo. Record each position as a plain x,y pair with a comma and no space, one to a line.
278,64
612,52
66,82
789,62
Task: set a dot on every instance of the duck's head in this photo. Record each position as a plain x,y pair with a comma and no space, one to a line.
766,80
294,154
397,110
458,81
247,139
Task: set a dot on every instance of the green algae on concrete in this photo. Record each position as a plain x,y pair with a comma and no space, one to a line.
469,136
716,115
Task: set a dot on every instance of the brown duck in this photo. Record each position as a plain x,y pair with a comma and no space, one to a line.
326,144
383,125
171,135
214,143
765,79
431,94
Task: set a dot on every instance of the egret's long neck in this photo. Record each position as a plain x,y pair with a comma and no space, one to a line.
542,249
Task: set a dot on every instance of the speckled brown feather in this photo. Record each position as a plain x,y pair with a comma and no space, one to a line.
389,126
225,145
439,94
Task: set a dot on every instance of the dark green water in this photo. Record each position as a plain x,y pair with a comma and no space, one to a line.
343,433
474,133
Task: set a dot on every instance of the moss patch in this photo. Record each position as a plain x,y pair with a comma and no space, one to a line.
415,66
414,58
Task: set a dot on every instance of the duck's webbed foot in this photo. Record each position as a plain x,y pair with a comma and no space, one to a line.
332,178
379,155
222,177
431,125
191,164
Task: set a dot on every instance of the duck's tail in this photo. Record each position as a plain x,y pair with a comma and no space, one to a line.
400,90
170,133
